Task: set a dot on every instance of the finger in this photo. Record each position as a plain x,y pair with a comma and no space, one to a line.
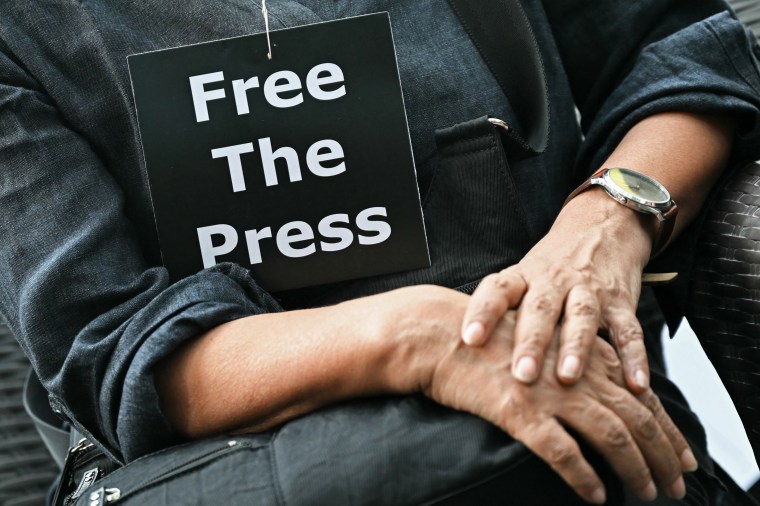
496,294
551,442
606,355
628,338
578,332
679,443
536,323
652,440
610,436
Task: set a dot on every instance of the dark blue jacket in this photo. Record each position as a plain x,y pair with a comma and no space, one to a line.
80,279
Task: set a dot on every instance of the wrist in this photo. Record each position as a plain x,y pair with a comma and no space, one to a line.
419,327
621,225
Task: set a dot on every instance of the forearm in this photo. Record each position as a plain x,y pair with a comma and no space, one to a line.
258,372
683,151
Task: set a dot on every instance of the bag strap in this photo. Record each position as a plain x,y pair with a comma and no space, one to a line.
502,33
56,438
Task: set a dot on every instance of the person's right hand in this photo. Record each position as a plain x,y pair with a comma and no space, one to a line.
634,434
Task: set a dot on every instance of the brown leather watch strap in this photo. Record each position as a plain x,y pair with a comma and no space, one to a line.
584,186
665,221
665,227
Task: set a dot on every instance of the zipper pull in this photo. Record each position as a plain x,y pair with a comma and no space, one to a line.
80,447
104,496
113,495
68,469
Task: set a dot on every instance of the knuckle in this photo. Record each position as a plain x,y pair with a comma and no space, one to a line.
645,425
560,455
615,436
581,308
629,334
502,281
649,399
542,304
491,280
666,424
618,397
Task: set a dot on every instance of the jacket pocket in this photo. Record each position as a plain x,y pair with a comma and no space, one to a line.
475,220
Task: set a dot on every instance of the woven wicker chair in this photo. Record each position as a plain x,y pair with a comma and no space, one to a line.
724,298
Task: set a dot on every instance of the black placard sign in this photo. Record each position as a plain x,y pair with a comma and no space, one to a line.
298,167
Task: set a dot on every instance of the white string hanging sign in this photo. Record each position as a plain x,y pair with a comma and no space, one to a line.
265,13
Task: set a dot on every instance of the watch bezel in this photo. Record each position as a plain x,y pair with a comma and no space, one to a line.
626,197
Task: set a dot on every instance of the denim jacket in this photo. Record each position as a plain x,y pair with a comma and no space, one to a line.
81,285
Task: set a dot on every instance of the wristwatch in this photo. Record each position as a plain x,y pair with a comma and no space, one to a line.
640,193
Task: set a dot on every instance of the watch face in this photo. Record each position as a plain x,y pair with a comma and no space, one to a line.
637,186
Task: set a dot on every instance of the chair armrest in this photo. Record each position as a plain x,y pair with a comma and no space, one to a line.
724,294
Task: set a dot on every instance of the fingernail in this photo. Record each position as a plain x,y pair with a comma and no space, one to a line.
677,490
650,493
641,379
526,370
473,334
571,366
598,496
688,461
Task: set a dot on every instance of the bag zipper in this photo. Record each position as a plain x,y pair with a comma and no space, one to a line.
72,458
115,494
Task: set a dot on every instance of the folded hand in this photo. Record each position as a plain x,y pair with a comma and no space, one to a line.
632,432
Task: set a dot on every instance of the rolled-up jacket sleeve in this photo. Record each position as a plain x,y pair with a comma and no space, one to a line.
629,60
74,287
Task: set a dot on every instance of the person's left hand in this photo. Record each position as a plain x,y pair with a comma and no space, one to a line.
585,274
